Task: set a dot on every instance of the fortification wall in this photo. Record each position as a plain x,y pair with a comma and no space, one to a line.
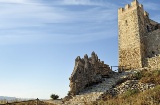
87,71
131,21
154,62
139,36
153,43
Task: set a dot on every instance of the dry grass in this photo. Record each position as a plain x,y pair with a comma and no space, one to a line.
134,97
149,97
30,102
151,77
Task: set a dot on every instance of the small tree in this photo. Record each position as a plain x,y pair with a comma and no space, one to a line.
54,96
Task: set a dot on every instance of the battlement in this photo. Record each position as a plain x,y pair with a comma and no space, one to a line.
127,7
85,72
146,13
139,36
135,3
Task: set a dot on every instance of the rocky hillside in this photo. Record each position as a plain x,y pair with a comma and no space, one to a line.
143,88
122,89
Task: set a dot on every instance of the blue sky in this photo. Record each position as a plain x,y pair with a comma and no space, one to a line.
40,39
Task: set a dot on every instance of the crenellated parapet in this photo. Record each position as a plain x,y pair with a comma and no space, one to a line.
139,36
133,5
87,70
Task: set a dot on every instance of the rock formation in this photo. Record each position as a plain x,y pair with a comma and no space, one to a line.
87,71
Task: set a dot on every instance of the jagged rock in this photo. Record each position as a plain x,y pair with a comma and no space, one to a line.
87,71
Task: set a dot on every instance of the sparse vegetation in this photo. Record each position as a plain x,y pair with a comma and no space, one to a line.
138,75
29,102
54,96
149,97
3,101
151,77
134,97
130,93
146,76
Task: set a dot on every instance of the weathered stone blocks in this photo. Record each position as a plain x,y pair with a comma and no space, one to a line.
87,71
139,36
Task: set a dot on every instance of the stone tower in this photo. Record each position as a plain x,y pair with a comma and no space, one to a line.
132,22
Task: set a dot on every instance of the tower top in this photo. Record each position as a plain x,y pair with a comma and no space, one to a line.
134,4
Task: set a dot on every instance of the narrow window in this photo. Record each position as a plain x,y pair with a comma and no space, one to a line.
153,52
148,28
126,22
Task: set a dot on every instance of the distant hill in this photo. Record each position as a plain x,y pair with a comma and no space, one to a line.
7,98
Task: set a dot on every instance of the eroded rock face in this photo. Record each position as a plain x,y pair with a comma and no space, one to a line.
87,71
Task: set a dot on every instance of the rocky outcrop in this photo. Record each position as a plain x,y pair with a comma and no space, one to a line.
98,91
87,71
131,85
119,83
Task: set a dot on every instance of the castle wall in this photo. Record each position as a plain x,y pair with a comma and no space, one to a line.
153,43
154,62
86,72
139,36
131,21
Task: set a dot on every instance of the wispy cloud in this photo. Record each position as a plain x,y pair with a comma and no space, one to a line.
83,2
21,23
14,1
151,6
88,2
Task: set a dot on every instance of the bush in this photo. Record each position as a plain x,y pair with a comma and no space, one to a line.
138,75
54,96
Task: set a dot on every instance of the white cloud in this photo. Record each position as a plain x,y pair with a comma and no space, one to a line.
19,15
13,1
31,21
81,2
101,3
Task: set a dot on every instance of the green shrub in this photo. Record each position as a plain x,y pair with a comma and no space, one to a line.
138,75
54,96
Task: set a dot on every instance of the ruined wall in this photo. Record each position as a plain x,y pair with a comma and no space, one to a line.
154,62
153,43
131,21
86,72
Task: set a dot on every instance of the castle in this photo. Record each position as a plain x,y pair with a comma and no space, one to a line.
139,47
87,71
139,38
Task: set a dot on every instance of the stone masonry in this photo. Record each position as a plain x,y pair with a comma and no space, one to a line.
97,91
154,62
139,36
139,48
87,71
118,83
